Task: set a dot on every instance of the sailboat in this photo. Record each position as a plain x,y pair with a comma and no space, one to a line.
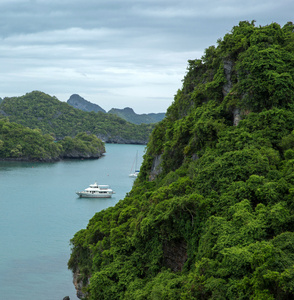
136,172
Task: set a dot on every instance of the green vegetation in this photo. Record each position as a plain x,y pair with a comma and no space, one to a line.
216,220
38,110
21,143
129,115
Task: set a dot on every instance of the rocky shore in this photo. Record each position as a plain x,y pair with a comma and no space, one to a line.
49,160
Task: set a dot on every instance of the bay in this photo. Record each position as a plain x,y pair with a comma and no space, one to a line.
40,213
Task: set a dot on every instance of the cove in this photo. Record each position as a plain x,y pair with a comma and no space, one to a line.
40,213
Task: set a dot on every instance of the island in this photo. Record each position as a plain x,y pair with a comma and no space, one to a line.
210,215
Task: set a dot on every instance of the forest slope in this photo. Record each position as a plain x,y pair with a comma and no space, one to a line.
24,144
129,115
211,215
38,110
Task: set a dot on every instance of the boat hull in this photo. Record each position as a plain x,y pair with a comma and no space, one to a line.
95,195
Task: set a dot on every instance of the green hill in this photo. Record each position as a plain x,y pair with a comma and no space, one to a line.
24,144
211,215
129,115
41,111
79,102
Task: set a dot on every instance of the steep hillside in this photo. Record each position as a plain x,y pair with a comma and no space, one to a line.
79,102
39,110
129,115
211,215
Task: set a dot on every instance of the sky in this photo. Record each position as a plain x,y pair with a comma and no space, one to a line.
116,53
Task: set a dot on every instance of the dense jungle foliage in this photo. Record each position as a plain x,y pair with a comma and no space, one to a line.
38,110
22,143
215,219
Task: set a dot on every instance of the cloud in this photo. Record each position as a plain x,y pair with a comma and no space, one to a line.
115,53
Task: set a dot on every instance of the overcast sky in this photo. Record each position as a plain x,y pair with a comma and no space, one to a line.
116,53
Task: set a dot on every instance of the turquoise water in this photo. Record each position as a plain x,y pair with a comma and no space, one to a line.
40,213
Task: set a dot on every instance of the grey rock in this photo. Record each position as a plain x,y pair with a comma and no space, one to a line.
228,67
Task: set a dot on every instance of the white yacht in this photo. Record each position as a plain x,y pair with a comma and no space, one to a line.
135,174
136,171
96,191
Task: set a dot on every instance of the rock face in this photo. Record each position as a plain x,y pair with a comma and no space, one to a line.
120,140
78,102
79,284
156,169
80,155
237,116
228,67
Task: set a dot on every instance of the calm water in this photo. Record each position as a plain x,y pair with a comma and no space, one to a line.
40,213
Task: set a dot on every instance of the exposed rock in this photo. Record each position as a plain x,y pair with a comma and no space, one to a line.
237,116
66,298
120,140
228,67
80,155
79,284
156,169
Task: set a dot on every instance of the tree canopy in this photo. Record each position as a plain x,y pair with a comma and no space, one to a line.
38,110
213,218
22,143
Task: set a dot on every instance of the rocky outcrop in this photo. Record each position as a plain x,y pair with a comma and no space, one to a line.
120,140
79,284
236,116
81,155
70,155
228,68
156,168
79,102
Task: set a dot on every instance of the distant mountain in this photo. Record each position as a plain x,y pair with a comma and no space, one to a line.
129,115
38,110
79,102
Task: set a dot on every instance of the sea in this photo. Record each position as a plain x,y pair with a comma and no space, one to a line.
40,212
